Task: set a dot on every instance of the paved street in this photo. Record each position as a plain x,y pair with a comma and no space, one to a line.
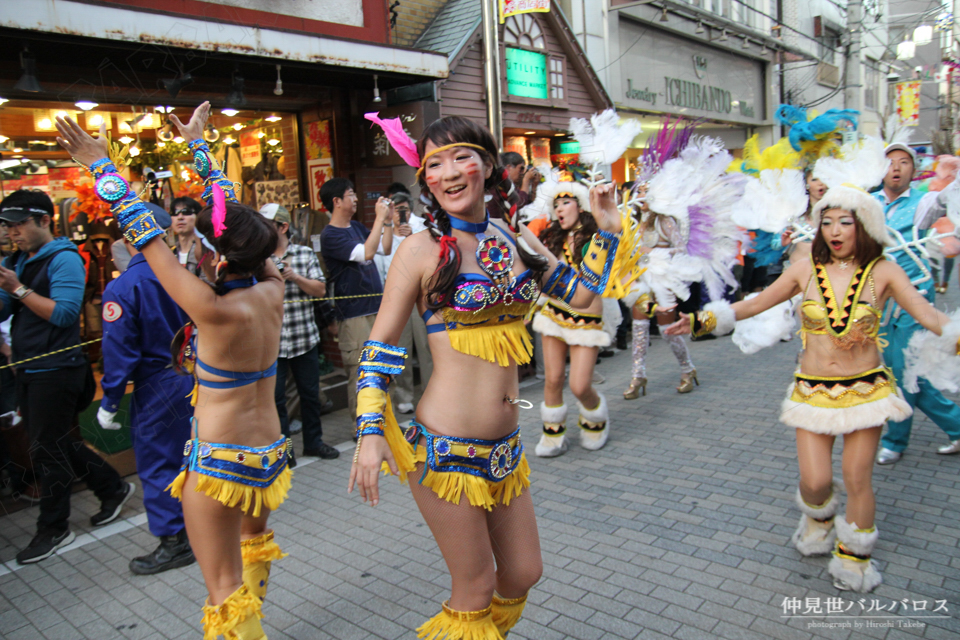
679,528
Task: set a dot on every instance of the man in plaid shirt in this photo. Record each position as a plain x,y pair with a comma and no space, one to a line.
299,337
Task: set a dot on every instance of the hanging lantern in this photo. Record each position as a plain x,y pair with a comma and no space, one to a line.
923,35
906,50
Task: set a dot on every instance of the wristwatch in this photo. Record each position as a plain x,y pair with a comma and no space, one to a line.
22,292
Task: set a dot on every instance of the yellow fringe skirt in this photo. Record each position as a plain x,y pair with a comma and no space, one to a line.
488,472
234,475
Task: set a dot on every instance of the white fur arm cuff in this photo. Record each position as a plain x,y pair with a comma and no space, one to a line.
765,329
934,358
716,318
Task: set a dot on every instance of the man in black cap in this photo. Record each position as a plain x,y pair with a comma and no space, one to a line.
41,285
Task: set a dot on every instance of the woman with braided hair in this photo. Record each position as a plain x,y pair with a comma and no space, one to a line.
235,468
470,472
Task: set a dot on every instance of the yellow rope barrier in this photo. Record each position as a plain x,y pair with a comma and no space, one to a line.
83,344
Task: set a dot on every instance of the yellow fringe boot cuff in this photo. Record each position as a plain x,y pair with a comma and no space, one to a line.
258,553
238,618
450,624
507,611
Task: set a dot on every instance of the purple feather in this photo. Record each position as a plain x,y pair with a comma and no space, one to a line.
667,143
701,231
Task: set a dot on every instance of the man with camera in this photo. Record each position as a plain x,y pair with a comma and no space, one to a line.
299,337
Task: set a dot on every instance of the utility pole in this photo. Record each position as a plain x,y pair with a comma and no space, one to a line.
853,91
491,68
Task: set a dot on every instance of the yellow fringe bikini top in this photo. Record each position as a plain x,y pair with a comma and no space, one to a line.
484,316
848,321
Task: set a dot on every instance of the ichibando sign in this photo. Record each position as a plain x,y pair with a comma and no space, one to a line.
515,7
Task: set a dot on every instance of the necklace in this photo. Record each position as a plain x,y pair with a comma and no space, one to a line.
493,254
843,264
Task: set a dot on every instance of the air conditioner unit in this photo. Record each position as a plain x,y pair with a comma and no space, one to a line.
828,74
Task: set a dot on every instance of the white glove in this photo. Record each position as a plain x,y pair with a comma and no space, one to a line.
106,419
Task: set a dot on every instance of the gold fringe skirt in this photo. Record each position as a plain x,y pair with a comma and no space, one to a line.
234,475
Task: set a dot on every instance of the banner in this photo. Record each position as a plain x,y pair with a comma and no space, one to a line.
250,148
908,103
515,7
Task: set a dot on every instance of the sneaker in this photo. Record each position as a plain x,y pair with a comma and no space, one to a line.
296,426
606,353
173,552
322,450
540,376
111,507
887,456
405,407
44,545
949,449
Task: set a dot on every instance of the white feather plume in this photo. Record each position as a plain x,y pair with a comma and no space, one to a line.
603,138
765,329
772,201
861,163
696,190
934,358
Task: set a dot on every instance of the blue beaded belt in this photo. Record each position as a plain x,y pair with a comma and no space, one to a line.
492,460
252,466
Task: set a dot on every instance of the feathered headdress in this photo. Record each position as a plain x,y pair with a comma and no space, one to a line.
603,139
779,156
700,195
861,166
672,136
772,200
816,136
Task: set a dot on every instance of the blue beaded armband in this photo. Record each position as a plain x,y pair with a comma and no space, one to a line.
209,170
372,379
603,250
370,424
102,166
562,283
133,217
380,357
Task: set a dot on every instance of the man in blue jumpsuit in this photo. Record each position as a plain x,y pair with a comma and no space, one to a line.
905,207
139,322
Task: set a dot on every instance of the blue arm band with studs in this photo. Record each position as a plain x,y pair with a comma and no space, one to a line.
562,283
133,217
380,357
208,169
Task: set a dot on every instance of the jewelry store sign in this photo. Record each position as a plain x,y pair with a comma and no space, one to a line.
675,75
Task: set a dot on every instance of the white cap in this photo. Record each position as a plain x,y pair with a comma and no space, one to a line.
275,212
899,146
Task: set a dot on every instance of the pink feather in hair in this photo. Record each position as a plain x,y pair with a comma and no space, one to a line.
219,211
397,137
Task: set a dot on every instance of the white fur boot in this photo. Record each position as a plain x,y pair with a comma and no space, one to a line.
851,566
553,441
594,425
815,535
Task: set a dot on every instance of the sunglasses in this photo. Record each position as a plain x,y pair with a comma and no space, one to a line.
184,212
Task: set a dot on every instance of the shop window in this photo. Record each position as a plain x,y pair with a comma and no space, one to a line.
523,30
556,79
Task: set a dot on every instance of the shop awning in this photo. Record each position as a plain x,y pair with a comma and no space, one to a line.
63,17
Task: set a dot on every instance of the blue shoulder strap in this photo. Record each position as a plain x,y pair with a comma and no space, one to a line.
433,328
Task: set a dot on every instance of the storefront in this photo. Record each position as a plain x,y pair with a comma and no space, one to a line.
545,81
287,108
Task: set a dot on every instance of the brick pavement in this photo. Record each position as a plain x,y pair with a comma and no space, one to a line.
677,529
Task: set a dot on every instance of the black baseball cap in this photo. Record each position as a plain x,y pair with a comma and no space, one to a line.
22,204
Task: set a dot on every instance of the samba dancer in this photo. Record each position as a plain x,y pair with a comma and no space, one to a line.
471,474
235,469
